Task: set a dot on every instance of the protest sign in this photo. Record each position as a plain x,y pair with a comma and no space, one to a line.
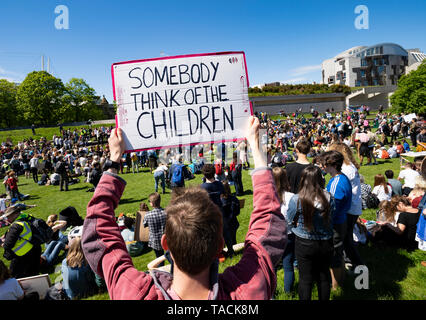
181,100
39,284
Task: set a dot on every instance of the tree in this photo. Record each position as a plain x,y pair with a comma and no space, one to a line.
39,98
8,103
80,102
410,96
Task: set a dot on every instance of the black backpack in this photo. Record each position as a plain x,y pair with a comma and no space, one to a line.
372,201
41,232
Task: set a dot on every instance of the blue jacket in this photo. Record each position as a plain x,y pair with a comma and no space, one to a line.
322,230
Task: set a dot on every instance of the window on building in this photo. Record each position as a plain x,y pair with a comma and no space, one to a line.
357,83
380,69
362,73
375,82
363,63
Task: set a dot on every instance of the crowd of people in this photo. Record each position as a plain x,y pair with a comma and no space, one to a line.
298,219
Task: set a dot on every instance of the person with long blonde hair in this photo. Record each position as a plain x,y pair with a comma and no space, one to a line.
78,278
350,169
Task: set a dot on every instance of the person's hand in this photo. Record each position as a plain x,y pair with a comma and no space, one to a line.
116,145
253,139
253,132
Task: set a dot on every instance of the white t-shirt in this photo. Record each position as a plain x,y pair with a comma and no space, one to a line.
284,206
379,191
161,168
352,173
2,204
10,290
409,176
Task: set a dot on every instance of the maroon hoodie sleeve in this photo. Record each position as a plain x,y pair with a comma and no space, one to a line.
254,276
104,247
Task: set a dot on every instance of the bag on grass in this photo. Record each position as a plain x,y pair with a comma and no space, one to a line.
372,201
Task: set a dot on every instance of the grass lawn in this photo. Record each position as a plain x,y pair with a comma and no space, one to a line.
394,274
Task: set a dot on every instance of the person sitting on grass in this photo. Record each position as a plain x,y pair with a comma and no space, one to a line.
403,233
135,248
193,235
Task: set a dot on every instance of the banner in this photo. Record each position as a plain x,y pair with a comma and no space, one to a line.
182,100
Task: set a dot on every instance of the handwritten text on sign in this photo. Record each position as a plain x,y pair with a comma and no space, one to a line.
182,100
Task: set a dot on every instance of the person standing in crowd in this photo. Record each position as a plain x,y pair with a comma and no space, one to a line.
62,170
414,128
194,237
294,169
216,190
235,169
310,213
395,184
34,167
341,189
365,191
350,169
155,220
160,176
177,173
231,209
284,194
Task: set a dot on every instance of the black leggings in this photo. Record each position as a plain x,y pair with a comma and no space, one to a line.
314,260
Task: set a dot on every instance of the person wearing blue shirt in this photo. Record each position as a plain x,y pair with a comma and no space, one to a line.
340,188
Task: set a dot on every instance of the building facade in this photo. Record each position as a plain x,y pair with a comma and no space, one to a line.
379,65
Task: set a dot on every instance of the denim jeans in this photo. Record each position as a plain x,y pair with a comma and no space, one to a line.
160,176
53,248
288,263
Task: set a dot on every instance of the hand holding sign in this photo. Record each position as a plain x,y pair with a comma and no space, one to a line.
116,145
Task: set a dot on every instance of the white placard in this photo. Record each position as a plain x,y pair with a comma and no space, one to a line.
409,117
39,284
182,100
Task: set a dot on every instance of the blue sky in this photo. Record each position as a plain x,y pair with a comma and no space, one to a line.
283,40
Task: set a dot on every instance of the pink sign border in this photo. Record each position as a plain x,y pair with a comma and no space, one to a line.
177,57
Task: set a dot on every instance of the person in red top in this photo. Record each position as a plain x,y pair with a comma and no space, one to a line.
12,183
193,236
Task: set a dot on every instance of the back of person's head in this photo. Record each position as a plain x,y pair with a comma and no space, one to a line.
332,159
208,171
379,180
155,199
389,174
311,190
4,272
227,189
75,257
281,181
129,222
303,146
193,229
143,207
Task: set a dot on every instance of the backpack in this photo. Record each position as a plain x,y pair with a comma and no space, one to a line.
177,177
42,233
218,168
60,167
372,201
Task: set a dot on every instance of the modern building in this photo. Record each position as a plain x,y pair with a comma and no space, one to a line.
379,65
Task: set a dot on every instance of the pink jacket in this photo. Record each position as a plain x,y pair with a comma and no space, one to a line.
252,278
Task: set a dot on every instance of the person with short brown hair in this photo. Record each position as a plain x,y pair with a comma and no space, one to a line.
193,235
294,169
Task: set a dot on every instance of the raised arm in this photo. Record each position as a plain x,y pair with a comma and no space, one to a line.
103,245
254,276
